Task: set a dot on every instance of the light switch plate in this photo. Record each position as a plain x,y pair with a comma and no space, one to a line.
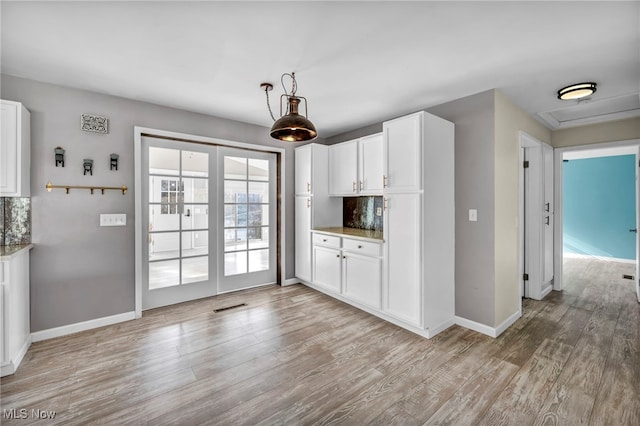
473,215
117,219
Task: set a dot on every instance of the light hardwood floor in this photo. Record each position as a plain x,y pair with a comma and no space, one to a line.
295,356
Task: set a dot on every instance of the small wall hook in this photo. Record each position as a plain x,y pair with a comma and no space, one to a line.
59,151
87,164
113,164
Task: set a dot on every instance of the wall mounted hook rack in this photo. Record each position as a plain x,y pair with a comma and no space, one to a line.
122,188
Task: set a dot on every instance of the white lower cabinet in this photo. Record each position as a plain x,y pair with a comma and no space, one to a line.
362,278
303,237
348,267
403,298
327,266
16,331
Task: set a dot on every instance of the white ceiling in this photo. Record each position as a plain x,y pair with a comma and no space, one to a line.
357,63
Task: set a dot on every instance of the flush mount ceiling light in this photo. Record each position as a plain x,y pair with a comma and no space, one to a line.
576,91
290,127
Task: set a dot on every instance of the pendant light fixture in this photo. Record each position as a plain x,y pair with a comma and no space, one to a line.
577,91
290,127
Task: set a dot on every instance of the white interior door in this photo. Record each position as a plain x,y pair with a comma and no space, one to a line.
247,249
533,227
177,222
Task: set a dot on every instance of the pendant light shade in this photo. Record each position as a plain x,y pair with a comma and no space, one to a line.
577,91
292,126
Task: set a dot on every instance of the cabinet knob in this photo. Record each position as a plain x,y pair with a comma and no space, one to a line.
359,246
344,257
337,255
324,240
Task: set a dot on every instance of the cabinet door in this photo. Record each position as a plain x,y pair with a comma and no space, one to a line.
343,168
362,281
370,179
402,141
327,268
303,170
403,288
303,238
8,149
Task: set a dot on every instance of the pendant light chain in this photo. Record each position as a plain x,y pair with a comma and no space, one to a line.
266,90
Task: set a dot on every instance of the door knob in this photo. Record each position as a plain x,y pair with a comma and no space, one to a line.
634,230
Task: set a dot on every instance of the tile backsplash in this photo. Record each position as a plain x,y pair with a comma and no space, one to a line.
360,212
15,227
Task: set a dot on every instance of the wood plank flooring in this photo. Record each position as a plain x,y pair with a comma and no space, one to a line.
296,356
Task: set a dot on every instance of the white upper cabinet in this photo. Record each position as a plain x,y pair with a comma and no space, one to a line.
303,170
343,168
402,143
355,167
370,165
15,148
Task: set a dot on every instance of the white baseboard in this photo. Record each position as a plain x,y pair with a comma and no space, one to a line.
291,281
13,365
428,333
508,322
485,329
439,328
81,326
476,326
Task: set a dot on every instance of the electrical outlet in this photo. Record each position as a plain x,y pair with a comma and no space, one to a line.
473,215
378,211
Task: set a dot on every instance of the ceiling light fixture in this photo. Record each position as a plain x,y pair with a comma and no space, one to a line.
577,91
290,127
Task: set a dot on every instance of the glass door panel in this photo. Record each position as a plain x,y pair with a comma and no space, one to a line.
248,198
179,264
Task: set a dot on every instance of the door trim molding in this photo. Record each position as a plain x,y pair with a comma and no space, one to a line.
558,198
138,133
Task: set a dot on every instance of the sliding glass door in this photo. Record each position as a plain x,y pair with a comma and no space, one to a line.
210,218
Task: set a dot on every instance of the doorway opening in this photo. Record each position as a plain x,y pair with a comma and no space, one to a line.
208,217
597,219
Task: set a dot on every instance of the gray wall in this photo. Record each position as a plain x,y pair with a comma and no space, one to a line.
474,161
80,271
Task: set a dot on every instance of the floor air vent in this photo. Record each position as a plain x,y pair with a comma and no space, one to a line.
627,277
226,308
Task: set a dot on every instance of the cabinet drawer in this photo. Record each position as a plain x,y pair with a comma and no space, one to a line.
326,240
362,247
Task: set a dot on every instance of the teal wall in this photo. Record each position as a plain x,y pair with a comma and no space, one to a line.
599,206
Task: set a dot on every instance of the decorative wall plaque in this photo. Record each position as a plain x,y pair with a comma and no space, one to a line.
94,123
